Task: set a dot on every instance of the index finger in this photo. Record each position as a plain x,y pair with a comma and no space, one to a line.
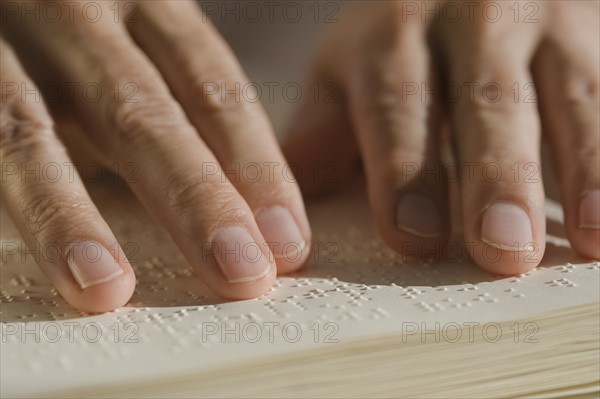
217,97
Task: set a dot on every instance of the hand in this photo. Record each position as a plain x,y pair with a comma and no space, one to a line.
208,165
412,80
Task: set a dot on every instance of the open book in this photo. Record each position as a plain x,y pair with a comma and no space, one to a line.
357,321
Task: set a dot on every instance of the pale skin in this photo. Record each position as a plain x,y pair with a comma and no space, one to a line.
175,130
377,50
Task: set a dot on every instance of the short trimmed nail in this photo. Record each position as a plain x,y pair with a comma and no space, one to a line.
507,226
589,210
281,233
240,258
418,215
92,264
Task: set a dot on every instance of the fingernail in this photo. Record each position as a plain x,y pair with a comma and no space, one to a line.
589,210
507,226
92,264
239,256
281,233
418,215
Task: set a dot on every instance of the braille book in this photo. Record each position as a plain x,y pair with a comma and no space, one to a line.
359,320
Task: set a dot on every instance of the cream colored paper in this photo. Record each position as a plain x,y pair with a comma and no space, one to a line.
354,289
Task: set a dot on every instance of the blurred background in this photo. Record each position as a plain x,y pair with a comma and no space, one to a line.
275,41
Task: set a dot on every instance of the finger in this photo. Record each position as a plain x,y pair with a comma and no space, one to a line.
568,79
207,218
397,123
497,142
45,197
321,143
223,105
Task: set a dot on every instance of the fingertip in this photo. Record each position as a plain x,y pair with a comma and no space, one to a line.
507,262
100,297
414,224
104,297
235,266
585,242
510,239
584,230
293,259
286,231
418,215
244,290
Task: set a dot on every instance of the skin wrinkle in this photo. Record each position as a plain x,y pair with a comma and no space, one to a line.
178,125
502,133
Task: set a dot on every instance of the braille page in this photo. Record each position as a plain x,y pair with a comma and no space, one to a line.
352,289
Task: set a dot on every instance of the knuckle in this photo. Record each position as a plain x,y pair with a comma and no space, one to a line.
489,92
221,94
391,114
385,94
183,195
148,119
582,92
47,215
480,107
381,88
20,137
227,209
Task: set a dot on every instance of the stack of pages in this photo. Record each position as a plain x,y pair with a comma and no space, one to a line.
358,321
